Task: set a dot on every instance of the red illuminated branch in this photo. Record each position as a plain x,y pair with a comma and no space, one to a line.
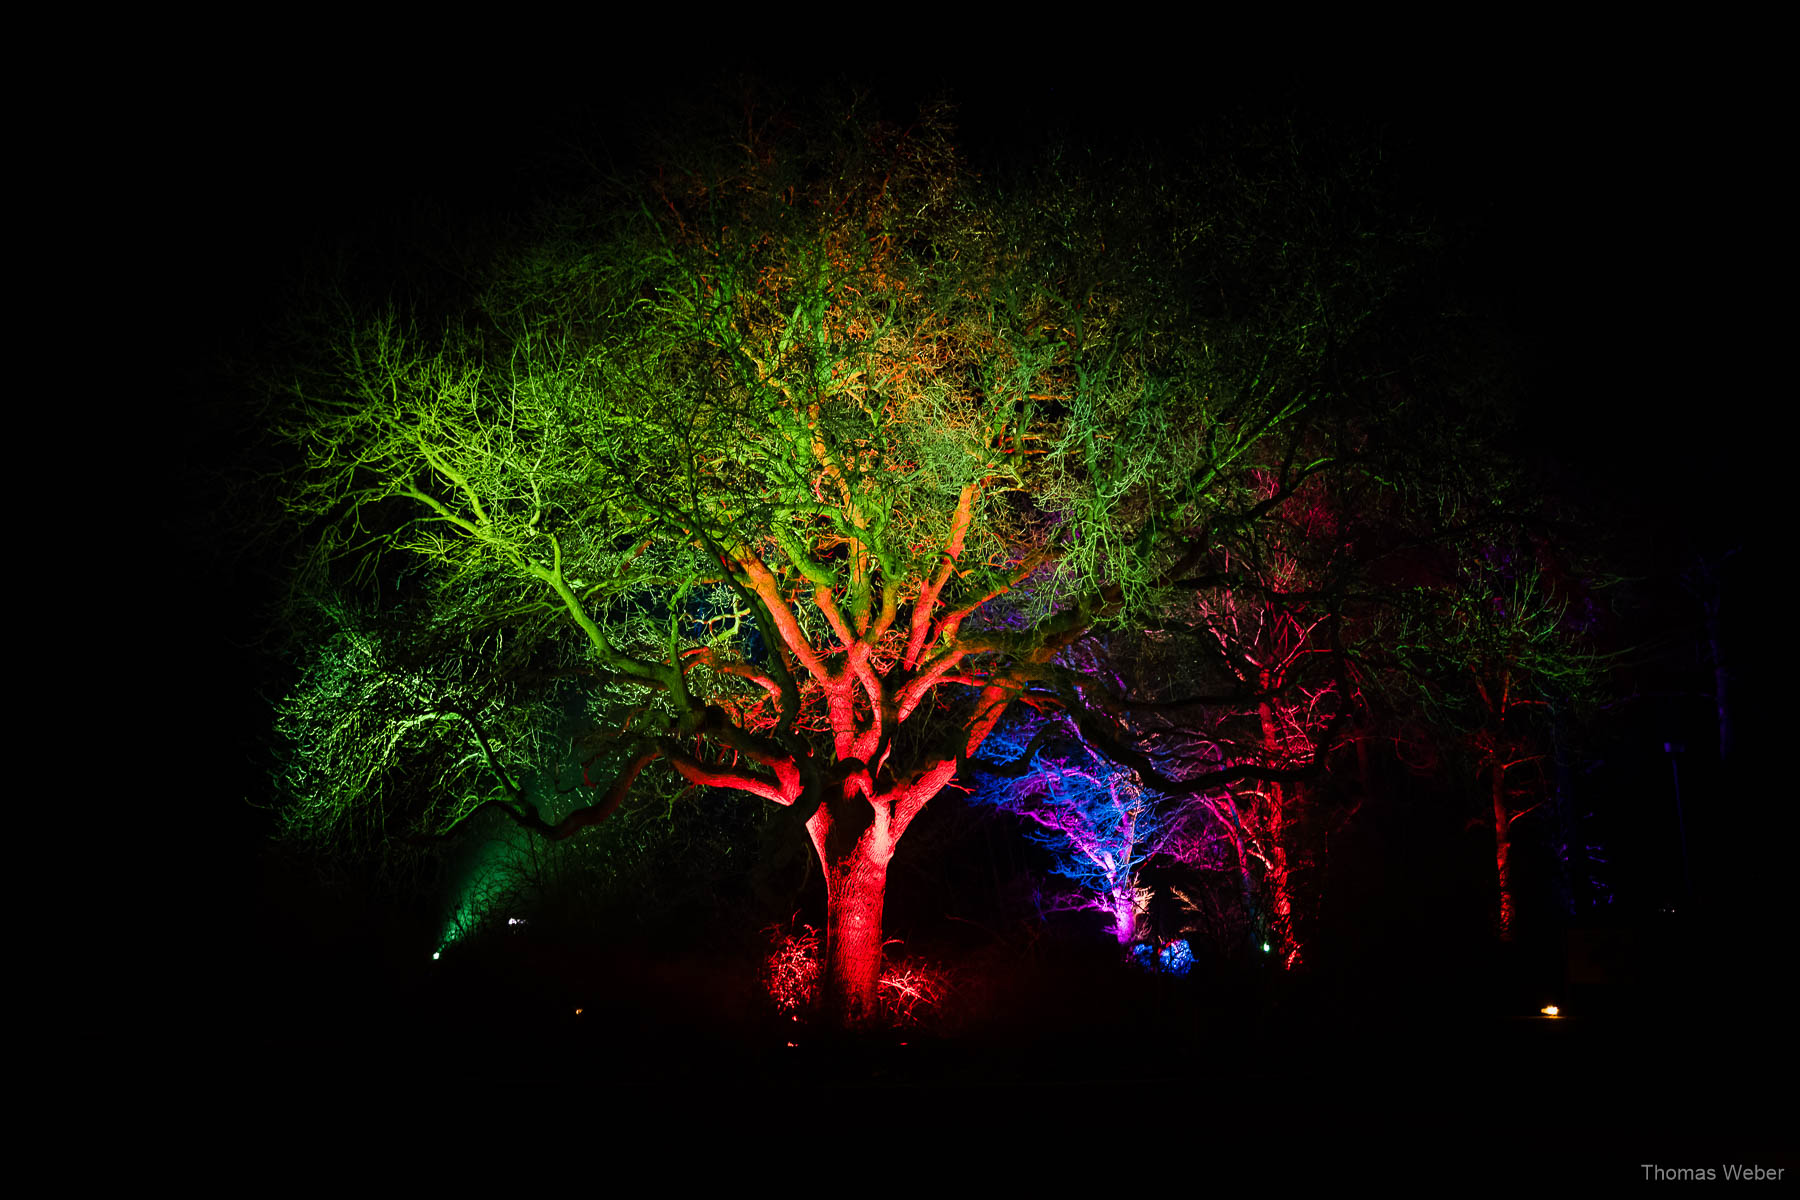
1521,813
913,797
782,790
872,687
717,725
989,709
928,594
934,674
827,604
856,651
762,582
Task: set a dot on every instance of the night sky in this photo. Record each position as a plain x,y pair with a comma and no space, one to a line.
1599,219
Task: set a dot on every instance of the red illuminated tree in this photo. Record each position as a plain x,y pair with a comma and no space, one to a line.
1490,654
1241,690
807,459
1274,633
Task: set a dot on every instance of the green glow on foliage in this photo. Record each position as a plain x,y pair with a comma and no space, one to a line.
496,875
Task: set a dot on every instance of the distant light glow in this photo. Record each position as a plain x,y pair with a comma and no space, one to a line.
1265,947
1550,1010
436,954
494,875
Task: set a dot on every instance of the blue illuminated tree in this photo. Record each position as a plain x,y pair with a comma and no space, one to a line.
1097,819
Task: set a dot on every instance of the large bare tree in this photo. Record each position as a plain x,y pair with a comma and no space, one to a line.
802,460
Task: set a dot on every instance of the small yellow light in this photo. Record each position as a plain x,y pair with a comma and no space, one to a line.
1550,1010
578,1012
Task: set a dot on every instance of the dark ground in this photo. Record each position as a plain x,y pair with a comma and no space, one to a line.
1404,1063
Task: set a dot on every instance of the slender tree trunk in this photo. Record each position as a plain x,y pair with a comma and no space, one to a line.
1502,851
1122,905
1246,883
1282,898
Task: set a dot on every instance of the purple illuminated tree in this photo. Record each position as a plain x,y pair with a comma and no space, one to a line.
1231,703
1099,823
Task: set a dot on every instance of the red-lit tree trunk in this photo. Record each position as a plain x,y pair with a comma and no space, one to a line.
1281,901
854,834
855,866
1503,850
1496,745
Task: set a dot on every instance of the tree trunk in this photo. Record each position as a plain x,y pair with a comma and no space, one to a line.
1502,850
1246,882
1121,905
1282,898
1282,902
855,889
855,866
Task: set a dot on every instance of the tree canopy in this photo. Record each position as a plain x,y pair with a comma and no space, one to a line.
794,466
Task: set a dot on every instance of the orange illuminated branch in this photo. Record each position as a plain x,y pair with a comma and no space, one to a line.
928,594
890,607
762,582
